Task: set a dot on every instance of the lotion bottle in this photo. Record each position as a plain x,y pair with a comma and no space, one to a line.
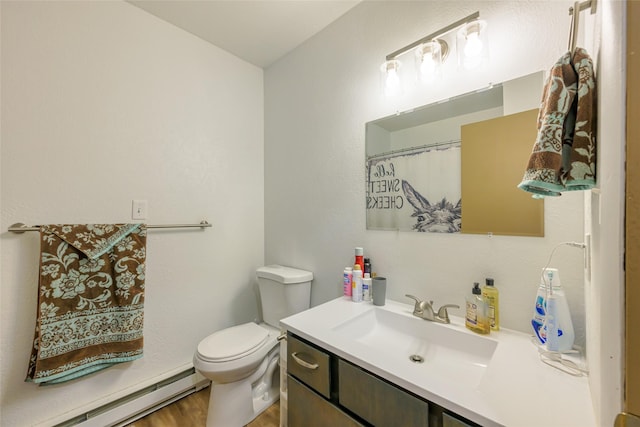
366,287
476,316
356,289
347,278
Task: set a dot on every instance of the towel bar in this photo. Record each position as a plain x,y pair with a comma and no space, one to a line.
21,228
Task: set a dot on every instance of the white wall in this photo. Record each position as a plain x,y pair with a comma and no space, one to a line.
103,103
318,99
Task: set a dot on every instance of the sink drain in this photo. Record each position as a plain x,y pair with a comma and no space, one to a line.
416,358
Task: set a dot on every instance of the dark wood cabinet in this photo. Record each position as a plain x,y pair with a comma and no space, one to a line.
309,409
377,401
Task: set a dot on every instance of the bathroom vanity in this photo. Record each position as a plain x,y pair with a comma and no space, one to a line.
352,364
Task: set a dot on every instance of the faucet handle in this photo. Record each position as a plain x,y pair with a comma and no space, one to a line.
443,313
413,298
418,307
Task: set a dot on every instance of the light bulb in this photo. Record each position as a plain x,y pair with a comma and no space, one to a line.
473,47
391,78
428,66
429,60
392,84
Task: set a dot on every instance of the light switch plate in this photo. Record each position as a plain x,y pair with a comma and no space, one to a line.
139,209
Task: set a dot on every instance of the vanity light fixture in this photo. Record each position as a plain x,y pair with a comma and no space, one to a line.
431,52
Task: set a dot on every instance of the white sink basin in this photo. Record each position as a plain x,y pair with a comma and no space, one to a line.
440,349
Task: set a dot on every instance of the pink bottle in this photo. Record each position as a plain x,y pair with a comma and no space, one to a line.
347,278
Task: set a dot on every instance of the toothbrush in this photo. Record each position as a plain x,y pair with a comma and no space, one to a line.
553,343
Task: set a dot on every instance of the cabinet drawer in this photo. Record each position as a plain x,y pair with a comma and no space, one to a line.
307,409
382,404
309,364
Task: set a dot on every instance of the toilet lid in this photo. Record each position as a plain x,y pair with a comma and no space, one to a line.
232,343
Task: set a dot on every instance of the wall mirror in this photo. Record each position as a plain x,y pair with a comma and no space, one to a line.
453,166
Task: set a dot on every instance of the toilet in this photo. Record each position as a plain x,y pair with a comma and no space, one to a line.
242,361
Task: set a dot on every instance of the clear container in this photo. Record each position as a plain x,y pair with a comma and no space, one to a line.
555,316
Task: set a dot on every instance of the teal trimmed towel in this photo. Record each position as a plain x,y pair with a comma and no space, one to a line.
90,300
564,153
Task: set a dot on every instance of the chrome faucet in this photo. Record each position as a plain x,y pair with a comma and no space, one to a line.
424,310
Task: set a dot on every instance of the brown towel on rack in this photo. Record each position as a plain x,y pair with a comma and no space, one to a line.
564,153
90,300
581,172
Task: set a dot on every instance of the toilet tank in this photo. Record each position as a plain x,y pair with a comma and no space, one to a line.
283,291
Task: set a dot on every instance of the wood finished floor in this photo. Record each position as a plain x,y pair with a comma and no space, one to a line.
191,411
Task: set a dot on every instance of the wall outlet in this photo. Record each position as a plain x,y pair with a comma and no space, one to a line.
138,209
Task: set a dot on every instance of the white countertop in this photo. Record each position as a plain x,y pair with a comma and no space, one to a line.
516,389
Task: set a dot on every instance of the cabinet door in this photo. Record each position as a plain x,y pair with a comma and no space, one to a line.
377,401
308,409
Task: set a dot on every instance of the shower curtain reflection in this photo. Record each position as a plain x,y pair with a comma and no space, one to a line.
417,189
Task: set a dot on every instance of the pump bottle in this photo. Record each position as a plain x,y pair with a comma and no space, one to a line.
476,316
551,317
492,298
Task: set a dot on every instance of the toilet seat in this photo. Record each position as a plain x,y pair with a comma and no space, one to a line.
232,343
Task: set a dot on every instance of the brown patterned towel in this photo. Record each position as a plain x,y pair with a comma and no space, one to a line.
564,153
90,300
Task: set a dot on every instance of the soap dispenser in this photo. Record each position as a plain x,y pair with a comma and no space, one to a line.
477,318
551,318
492,298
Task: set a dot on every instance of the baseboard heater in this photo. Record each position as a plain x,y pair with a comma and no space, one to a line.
136,405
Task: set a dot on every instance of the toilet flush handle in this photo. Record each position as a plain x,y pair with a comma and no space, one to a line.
282,336
302,362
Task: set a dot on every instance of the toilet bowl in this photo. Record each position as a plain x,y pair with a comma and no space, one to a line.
242,361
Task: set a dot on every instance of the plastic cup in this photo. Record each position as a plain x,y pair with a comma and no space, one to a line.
379,287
